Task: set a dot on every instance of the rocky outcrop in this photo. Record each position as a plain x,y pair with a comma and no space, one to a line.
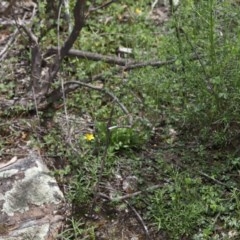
30,199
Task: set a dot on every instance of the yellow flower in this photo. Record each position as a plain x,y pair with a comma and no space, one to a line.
138,11
89,137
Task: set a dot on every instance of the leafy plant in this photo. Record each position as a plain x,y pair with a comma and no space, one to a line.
177,208
77,230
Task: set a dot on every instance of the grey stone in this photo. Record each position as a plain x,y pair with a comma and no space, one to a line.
31,202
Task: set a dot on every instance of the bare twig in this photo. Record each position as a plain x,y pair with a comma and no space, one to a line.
217,181
103,159
41,82
92,56
12,39
206,78
105,91
209,177
104,5
151,64
130,195
79,20
67,14
61,79
11,22
36,58
153,5
127,64
36,106
29,33
139,219
132,66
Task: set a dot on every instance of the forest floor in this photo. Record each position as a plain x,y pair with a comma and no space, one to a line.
156,178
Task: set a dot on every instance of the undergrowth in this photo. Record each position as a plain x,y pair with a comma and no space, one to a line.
179,127
186,111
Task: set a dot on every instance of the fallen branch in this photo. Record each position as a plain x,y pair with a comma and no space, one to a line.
36,61
10,42
205,175
104,5
158,63
139,219
130,195
12,39
29,33
127,64
149,64
27,105
217,181
92,56
103,90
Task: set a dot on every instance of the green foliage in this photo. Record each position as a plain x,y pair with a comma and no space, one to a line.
209,87
177,208
77,230
198,95
121,138
185,207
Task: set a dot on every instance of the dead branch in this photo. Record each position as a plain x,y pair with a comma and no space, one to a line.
10,42
67,14
29,33
127,64
149,64
12,22
41,81
93,56
139,219
79,20
35,57
12,39
103,90
217,181
205,175
130,195
132,66
104,5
